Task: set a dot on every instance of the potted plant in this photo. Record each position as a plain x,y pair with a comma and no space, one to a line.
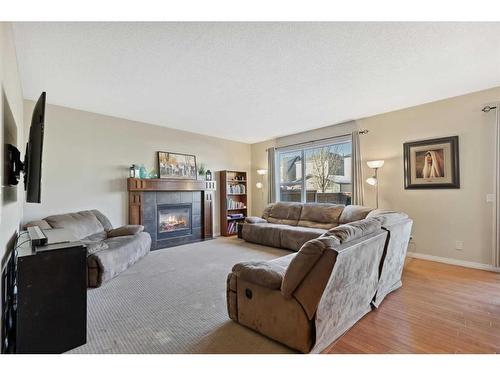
201,171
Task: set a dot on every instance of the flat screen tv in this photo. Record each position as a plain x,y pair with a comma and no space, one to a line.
34,149
32,166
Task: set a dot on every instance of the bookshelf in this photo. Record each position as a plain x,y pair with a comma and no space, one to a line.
233,201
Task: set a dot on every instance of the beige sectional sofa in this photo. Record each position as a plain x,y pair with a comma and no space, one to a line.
348,259
109,251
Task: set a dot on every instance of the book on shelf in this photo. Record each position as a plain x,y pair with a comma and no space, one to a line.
232,204
236,189
231,227
235,216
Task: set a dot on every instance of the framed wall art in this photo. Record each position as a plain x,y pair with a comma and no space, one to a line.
177,166
432,164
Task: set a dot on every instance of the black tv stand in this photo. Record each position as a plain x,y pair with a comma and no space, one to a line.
44,298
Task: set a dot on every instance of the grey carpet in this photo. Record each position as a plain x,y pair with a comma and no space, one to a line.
174,301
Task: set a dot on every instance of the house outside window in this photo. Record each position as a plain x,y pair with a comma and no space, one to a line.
319,172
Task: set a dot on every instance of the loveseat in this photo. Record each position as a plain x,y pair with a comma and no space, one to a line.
109,251
345,261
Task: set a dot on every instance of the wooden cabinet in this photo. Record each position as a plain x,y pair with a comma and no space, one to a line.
45,298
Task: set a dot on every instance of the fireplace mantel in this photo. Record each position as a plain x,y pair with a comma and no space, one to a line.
161,184
137,187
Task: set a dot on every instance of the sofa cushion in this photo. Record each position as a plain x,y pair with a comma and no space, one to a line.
268,274
121,253
354,230
387,217
293,238
353,213
101,236
95,242
42,224
126,230
81,224
95,246
301,264
262,233
103,219
285,213
254,220
320,215
267,211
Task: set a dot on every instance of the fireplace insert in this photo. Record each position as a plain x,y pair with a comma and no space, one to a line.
174,220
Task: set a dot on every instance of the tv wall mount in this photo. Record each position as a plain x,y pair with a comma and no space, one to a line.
15,165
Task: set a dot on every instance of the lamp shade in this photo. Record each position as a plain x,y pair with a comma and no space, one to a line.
371,181
261,171
375,164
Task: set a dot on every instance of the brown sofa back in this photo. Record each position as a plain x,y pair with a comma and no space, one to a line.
313,215
287,213
81,224
310,255
320,215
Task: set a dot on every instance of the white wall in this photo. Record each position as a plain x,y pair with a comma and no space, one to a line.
11,117
87,156
441,217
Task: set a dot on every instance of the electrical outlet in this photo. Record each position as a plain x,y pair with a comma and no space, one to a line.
459,245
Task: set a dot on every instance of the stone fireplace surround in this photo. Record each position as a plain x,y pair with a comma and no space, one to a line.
148,196
154,200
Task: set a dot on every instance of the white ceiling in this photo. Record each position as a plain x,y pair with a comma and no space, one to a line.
254,81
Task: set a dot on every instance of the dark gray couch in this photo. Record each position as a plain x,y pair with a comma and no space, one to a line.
110,251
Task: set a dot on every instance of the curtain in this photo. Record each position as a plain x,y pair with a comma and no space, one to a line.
271,183
357,171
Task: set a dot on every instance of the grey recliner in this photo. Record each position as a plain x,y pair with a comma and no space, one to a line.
308,299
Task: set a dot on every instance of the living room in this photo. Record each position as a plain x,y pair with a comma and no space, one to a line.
250,187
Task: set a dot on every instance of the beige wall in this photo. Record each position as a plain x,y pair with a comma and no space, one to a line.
87,156
259,161
11,117
441,216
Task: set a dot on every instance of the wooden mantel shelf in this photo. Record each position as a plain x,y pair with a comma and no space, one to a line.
162,184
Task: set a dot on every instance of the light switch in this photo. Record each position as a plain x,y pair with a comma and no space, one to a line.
490,198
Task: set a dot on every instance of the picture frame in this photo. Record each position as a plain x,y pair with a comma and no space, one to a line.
432,164
174,165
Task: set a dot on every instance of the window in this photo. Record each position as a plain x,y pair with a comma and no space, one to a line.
319,172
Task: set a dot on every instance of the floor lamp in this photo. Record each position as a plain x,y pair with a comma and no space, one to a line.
260,184
374,164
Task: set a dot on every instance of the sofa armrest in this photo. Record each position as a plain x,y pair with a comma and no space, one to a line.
126,230
268,274
254,220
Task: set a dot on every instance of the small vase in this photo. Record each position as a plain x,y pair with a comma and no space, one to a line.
142,172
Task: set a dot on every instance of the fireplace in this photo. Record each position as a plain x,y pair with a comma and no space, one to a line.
174,220
173,212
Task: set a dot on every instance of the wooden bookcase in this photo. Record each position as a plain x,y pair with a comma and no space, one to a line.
233,200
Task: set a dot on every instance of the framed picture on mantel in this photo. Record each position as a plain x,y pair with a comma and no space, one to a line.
432,164
177,166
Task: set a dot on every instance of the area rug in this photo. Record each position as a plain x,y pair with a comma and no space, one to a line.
174,301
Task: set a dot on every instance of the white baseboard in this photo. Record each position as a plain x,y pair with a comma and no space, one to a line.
455,262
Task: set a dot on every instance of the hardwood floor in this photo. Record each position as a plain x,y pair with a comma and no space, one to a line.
440,309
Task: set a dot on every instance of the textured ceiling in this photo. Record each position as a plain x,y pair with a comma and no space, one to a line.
253,81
